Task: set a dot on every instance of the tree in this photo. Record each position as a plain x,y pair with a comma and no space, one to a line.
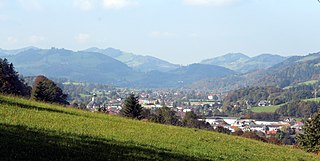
46,90
310,139
191,120
10,83
131,107
165,115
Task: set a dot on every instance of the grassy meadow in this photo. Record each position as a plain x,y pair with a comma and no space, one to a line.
272,108
37,131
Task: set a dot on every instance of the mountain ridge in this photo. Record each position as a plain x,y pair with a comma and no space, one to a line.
137,62
97,67
242,63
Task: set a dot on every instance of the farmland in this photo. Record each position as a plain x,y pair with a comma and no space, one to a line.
265,109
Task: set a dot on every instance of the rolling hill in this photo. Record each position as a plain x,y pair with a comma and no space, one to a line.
62,63
243,63
293,71
290,72
104,68
182,76
137,62
38,131
231,61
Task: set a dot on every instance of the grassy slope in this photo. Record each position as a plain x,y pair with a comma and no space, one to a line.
38,131
312,99
265,109
310,82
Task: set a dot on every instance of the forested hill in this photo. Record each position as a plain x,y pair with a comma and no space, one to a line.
102,68
293,71
242,63
62,63
182,76
136,62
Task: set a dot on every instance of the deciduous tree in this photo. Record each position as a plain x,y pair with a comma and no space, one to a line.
46,90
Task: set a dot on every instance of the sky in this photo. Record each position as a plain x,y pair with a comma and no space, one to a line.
178,31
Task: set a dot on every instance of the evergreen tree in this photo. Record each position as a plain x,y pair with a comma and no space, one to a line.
310,139
131,107
10,83
46,90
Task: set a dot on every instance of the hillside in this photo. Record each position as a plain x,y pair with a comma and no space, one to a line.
137,62
184,75
62,63
231,61
290,72
38,131
243,63
293,71
109,67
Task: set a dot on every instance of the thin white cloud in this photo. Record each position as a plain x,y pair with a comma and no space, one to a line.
12,40
162,34
118,4
36,39
82,38
31,5
210,2
85,5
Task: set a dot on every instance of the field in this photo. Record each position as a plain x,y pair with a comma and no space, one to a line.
313,99
37,131
265,109
311,82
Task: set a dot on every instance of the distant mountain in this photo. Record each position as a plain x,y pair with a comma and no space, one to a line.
80,66
259,62
137,62
93,66
15,51
291,71
243,64
231,60
183,76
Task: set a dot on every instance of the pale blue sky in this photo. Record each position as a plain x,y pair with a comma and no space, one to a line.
179,31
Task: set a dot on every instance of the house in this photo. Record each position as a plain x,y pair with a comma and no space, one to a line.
264,103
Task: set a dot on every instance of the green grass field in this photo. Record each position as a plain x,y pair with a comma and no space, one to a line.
313,99
311,82
265,109
37,131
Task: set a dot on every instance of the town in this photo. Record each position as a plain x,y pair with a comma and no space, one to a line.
208,106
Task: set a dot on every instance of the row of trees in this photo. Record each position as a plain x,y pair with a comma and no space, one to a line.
43,89
10,83
299,108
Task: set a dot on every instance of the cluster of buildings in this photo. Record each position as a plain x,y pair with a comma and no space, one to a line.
156,100
267,127
201,107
